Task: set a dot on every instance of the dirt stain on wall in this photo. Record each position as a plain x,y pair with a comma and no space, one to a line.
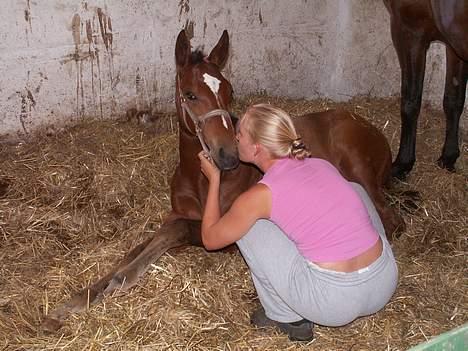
29,101
189,29
140,87
184,7
27,104
92,30
184,10
28,19
105,24
205,26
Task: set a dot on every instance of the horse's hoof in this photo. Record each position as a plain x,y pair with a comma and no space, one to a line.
448,165
399,171
51,325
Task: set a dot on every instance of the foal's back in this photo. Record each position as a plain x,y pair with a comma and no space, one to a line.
358,149
349,142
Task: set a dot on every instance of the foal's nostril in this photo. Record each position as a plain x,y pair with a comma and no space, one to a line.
227,160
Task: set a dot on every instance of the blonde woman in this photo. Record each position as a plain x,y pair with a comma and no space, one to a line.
313,242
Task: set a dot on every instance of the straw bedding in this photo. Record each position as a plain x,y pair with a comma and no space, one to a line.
74,200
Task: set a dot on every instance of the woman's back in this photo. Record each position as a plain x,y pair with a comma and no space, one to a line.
318,210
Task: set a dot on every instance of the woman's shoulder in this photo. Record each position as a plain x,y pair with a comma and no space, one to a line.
256,199
257,190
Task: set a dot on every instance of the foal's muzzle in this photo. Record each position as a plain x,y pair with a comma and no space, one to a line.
227,160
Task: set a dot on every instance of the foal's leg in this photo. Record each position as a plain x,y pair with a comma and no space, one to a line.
358,171
411,50
392,221
92,294
174,234
454,100
126,274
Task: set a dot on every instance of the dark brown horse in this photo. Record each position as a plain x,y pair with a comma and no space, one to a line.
415,24
203,96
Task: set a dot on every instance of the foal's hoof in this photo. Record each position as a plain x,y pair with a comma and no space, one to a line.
394,225
116,283
119,283
394,236
51,325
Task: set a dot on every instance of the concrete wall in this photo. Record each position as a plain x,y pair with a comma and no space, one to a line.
63,59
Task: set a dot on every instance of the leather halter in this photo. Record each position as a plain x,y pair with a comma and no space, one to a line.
198,121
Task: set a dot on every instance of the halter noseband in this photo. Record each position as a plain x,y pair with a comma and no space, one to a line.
198,120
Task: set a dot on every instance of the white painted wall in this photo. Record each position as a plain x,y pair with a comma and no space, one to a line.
63,59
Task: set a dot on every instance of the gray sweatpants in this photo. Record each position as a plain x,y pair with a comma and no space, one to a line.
291,288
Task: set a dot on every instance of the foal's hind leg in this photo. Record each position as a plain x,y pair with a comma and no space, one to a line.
411,50
392,221
173,234
454,100
92,294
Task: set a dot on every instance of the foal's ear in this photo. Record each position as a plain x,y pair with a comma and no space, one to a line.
183,50
220,52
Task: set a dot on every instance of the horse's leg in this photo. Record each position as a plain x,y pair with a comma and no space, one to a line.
411,49
454,100
171,235
92,294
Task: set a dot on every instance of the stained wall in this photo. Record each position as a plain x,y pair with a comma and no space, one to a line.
65,59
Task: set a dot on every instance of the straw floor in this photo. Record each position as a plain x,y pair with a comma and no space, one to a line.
74,200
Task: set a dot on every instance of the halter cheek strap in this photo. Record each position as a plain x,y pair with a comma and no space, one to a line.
198,120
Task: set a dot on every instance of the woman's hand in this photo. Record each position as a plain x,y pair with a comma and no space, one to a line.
208,167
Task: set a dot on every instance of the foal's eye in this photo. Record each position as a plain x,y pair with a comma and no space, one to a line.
190,95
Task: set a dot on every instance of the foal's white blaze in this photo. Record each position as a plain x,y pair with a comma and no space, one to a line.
213,83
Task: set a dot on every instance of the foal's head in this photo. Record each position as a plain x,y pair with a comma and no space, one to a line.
203,96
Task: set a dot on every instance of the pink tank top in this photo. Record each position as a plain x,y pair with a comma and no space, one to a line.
318,210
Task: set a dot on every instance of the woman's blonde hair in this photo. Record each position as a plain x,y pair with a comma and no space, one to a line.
273,128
